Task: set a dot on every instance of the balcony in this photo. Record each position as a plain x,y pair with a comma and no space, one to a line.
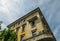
41,35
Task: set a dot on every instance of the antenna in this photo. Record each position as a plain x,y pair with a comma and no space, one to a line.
0,24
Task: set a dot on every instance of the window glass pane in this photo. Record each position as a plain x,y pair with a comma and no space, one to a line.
22,38
16,30
19,23
34,32
23,28
33,23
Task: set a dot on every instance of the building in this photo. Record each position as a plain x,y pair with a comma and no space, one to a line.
32,27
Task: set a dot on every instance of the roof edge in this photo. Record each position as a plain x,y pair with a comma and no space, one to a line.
13,23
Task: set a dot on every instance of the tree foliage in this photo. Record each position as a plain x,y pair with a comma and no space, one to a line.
8,35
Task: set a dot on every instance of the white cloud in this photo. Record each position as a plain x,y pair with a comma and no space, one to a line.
41,2
3,6
7,11
3,26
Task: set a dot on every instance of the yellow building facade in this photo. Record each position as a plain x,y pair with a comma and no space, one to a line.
32,27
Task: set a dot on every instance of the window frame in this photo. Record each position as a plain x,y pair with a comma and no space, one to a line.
22,37
34,32
23,27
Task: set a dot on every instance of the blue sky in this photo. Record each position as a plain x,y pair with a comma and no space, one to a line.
10,10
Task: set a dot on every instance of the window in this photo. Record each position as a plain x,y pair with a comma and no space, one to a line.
23,28
34,32
19,23
21,37
16,30
33,23
24,20
13,25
